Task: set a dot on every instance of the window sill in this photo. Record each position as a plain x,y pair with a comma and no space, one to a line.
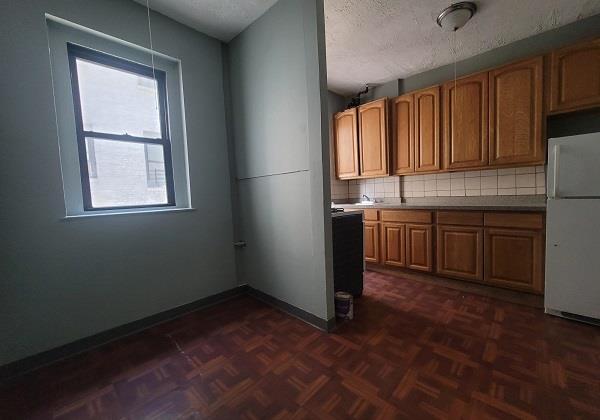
127,212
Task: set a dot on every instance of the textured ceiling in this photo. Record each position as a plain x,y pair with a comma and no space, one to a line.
221,19
375,41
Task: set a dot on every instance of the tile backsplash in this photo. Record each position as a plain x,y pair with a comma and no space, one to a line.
529,180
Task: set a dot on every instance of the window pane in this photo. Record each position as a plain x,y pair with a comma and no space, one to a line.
117,102
127,174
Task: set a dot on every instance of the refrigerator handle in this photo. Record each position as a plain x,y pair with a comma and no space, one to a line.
554,190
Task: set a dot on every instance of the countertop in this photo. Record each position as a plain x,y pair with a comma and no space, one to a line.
508,203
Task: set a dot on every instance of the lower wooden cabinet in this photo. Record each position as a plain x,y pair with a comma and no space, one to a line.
394,244
419,247
371,241
504,249
460,252
514,259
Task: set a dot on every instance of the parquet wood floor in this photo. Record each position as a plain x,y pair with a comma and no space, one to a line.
415,350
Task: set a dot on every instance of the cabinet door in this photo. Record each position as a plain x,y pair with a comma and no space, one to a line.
419,247
372,139
403,135
575,77
427,129
516,113
514,259
371,239
394,247
460,252
466,122
346,144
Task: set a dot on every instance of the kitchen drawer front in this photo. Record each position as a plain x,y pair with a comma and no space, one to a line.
462,218
515,220
407,216
371,214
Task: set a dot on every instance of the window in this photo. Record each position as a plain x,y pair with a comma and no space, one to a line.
122,131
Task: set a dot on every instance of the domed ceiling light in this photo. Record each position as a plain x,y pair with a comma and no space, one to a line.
456,15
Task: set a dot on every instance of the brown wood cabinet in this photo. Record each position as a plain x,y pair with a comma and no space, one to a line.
372,139
427,129
371,241
346,144
419,247
460,252
403,134
516,113
504,249
394,244
514,259
466,122
575,77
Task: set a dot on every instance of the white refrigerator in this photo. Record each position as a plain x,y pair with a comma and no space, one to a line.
573,228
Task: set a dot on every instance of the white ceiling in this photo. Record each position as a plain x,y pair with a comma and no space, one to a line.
221,19
375,41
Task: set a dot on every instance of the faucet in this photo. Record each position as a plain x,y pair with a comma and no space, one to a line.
367,197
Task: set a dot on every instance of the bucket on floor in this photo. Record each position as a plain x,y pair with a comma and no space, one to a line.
344,305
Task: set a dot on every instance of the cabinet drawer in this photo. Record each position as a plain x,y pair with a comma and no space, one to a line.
371,214
515,220
407,216
463,218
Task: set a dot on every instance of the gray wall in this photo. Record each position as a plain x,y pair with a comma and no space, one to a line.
61,280
279,132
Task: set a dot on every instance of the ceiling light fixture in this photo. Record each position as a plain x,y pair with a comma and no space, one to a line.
456,15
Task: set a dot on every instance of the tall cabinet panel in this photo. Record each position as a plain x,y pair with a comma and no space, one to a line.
466,122
575,77
346,144
427,129
372,128
516,113
403,134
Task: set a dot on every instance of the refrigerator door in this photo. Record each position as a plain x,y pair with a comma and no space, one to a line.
574,166
573,257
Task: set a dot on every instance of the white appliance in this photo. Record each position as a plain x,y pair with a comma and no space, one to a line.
573,228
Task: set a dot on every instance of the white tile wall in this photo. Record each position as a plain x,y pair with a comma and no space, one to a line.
529,180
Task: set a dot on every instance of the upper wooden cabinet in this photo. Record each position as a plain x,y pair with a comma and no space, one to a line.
575,77
346,144
516,110
466,122
372,140
403,134
427,129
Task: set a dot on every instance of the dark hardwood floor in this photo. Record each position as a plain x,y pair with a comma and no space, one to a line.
415,350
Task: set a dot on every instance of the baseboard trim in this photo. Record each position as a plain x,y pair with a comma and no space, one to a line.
301,314
22,366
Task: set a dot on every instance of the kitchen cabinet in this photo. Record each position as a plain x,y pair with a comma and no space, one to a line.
372,138
575,77
371,241
514,251
516,114
427,129
403,135
502,249
419,247
466,122
394,244
346,144
460,252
